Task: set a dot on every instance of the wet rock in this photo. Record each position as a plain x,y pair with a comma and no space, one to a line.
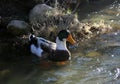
40,13
46,21
18,27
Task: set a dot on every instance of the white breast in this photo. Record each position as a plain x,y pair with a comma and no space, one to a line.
61,45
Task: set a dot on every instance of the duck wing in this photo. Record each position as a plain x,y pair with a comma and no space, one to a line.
46,45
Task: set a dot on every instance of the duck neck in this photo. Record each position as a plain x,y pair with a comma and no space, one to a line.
61,45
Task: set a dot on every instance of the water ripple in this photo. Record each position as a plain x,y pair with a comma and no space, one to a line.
117,75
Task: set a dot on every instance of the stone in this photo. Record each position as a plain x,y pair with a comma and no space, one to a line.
18,27
40,13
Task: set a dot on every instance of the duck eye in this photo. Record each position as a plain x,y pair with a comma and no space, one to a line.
68,31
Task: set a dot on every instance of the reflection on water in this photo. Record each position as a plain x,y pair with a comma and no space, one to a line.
93,62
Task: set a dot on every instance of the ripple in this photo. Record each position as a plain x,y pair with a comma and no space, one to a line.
117,75
84,59
51,79
66,74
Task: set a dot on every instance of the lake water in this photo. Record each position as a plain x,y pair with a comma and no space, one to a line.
95,61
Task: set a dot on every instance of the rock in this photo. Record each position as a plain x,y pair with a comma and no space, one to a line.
40,13
18,27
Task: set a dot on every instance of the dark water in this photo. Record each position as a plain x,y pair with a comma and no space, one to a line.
96,61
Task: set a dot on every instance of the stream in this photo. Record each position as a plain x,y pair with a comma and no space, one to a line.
94,61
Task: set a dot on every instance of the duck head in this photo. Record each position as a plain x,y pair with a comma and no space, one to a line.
33,40
65,35
62,37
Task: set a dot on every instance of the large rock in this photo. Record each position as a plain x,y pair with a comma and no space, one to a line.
47,21
40,13
18,27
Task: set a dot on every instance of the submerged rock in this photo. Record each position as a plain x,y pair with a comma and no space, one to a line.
18,27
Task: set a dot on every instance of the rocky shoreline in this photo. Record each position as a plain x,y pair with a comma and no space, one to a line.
41,20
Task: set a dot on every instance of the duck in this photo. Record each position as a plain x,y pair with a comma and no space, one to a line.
54,51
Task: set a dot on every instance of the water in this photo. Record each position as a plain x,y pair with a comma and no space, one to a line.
96,61
107,11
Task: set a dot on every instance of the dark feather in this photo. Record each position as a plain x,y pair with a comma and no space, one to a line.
59,55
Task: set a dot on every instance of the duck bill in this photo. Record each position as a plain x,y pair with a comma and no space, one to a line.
70,39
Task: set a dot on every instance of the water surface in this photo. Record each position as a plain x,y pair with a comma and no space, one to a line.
95,61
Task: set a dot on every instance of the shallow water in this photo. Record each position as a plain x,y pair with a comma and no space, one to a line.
103,10
95,61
